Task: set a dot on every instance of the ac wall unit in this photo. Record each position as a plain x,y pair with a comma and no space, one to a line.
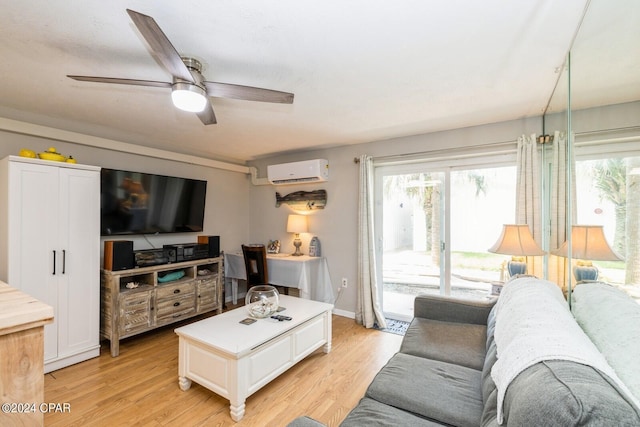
299,172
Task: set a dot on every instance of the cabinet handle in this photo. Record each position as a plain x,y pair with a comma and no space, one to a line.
54,263
176,304
64,260
176,291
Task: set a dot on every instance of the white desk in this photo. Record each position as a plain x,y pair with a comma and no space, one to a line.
309,274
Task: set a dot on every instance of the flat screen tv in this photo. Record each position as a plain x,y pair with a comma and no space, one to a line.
143,203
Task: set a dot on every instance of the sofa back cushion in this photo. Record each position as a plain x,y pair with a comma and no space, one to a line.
458,343
565,393
611,319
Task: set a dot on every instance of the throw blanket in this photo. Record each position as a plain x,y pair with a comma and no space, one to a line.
533,324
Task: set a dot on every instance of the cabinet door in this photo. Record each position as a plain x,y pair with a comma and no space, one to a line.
79,289
33,239
207,293
135,312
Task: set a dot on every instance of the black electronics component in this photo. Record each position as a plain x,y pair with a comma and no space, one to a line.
148,257
188,251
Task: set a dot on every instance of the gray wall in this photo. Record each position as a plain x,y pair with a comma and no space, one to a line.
336,225
598,119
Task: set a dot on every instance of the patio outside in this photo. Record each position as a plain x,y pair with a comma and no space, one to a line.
408,273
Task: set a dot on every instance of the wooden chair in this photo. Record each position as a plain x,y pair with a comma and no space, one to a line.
255,263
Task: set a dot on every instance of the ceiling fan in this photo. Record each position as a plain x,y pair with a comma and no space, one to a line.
189,90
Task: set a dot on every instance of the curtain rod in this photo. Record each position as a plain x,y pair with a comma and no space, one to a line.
601,131
356,160
449,151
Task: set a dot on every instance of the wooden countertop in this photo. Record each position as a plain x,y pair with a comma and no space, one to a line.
19,311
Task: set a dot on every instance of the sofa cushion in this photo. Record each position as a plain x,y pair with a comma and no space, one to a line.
611,319
439,391
565,393
371,413
452,309
305,422
459,343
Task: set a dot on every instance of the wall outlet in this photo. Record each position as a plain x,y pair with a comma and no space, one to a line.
344,282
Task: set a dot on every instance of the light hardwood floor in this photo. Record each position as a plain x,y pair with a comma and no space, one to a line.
140,387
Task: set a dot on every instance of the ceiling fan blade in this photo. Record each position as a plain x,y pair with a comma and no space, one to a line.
161,46
207,116
121,81
226,90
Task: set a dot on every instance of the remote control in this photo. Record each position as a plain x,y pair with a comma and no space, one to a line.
280,317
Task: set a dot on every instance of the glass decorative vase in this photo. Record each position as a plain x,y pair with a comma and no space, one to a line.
262,301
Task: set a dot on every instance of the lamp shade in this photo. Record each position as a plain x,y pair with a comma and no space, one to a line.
516,239
297,224
588,243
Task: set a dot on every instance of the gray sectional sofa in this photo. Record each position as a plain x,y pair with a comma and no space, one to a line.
442,374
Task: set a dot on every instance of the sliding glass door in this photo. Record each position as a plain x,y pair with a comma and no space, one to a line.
434,226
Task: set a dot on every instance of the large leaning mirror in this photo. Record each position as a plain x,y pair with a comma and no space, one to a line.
600,91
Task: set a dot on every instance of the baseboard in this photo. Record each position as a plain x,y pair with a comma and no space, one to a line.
65,361
344,313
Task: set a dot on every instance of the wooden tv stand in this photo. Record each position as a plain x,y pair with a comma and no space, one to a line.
127,310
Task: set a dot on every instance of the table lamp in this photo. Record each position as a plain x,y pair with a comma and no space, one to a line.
587,243
297,224
516,240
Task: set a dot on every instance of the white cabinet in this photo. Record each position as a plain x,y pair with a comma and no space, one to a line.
50,249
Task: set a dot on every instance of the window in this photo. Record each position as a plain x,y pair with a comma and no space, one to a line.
608,194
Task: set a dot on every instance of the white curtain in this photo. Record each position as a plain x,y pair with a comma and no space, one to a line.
560,199
528,201
368,309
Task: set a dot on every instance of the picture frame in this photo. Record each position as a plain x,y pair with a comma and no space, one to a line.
273,247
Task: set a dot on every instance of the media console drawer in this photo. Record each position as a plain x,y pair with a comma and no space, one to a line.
169,291
172,308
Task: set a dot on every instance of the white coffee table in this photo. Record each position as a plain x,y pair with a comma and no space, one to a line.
235,360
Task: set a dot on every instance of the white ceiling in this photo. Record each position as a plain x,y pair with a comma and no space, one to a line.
361,70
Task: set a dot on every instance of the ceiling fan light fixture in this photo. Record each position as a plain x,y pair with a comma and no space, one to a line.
189,97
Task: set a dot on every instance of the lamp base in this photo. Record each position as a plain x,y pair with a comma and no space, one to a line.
516,267
585,273
297,243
